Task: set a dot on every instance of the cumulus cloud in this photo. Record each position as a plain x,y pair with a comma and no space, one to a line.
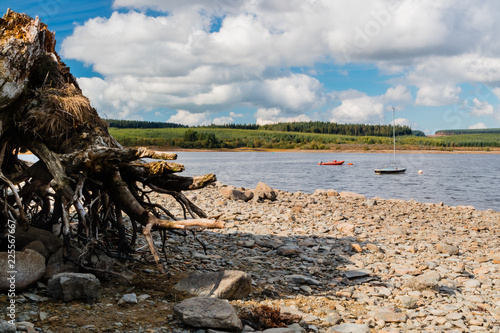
190,119
402,122
203,57
276,115
357,107
363,109
478,126
438,95
481,108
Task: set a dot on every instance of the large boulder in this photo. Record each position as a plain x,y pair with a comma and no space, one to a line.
70,286
51,242
28,268
264,192
57,264
225,284
231,193
38,246
208,313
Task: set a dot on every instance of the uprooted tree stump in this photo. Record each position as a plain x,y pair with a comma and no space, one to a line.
82,173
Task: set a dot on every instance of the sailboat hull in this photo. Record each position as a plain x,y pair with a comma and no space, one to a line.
389,170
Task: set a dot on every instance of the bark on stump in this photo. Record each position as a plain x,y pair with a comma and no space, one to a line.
83,174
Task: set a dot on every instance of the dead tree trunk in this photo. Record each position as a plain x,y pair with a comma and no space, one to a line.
83,174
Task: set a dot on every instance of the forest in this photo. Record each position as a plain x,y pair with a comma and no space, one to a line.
468,131
227,138
300,135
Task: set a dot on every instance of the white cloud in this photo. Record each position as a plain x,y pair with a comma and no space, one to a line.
177,61
402,122
496,91
363,109
276,115
357,107
190,119
399,94
438,95
478,126
481,108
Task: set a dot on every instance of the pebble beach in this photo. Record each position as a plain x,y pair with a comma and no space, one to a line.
343,259
339,261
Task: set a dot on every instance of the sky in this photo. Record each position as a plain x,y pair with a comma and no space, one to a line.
198,62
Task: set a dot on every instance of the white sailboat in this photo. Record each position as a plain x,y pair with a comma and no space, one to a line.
392,168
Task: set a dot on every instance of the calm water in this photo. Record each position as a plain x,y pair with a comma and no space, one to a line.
454,179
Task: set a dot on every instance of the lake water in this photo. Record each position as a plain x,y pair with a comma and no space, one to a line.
454,179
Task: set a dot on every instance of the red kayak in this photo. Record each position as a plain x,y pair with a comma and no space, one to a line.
334,162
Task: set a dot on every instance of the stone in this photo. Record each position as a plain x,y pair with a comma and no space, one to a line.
408,302
346,228
352,195
205,312
264,192
228,284
51,242
128,298
302,279
38,246
289,250
428,280
320,192
70,286
391,316
232,193
56,264
280,330
332,193
29,267
6,327
445,248
355,274
349,328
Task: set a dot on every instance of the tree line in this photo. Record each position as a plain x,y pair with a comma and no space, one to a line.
469,131
118,123
317,127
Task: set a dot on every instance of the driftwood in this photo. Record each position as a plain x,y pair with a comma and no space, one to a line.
82,175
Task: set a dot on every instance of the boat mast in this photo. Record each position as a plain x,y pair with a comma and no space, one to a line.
394,132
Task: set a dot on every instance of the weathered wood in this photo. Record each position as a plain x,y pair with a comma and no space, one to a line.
83,173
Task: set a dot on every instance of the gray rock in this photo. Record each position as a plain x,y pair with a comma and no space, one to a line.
70,286
346,194
128,298
51,242
38,246
280,330
6,327
349,328
289,250
428,280
232,193
320,192
408,302
29,268
264,192
297,328
302,279
357,274
208,313
225,284
391,316
56,264
445,248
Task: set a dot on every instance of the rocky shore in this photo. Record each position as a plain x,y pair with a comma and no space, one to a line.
339,261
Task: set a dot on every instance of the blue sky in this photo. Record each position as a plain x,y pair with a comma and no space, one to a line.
262,61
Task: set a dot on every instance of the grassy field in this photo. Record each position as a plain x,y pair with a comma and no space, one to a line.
214,138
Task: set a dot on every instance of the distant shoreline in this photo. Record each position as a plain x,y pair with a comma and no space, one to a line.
333,151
